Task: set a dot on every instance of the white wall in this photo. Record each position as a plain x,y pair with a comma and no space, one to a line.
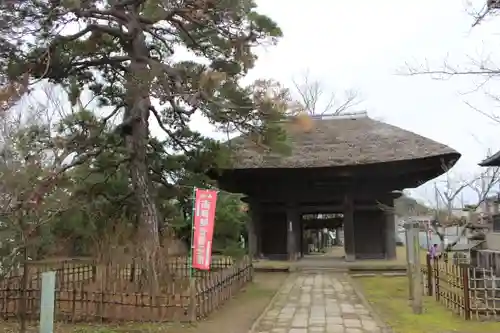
493,241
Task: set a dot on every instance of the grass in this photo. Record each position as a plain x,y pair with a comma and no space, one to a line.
236,316
389,295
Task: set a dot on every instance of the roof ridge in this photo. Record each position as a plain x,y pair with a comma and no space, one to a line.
342,115
330,116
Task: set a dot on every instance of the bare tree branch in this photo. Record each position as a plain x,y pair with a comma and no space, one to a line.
484,184
489,8
481,184
485,69
316,101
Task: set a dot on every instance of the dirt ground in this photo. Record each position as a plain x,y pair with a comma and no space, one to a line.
236,316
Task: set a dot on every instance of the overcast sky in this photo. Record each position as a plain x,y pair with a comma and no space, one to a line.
364,44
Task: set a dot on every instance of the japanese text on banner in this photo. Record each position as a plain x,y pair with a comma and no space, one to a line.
203,223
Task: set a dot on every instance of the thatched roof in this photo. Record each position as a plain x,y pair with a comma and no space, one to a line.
353,139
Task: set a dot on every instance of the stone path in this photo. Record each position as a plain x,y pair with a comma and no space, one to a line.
317,303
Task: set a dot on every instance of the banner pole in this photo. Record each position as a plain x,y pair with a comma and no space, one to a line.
192,286
193,211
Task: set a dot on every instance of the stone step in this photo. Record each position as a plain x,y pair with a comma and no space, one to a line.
369,274
272,269
320,270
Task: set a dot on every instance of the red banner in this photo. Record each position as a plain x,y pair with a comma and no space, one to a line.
203,224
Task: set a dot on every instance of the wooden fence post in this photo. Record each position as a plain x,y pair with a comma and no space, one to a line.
436,278
94,272
251,270
192,300
430,287
409,259
465,280
23,301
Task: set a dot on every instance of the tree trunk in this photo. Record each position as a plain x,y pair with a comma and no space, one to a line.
136,120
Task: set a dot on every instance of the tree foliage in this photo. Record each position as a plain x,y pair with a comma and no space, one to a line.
32,183
126,54
89,209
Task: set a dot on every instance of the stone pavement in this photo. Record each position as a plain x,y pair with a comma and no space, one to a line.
317,303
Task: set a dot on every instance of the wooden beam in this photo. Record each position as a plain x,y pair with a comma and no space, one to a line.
324,200
297,189
320,195
327,206
243,181
301,186
336,209
320,223
319,198
372,169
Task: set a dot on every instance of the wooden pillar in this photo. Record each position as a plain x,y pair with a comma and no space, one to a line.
297,233
292,219
253,229
252,245
258,220
388,222
299,237
337,241
390,234
349,240
305,241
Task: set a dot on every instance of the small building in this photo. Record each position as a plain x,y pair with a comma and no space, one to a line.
349,164
459,213
492,234
489,208
461,253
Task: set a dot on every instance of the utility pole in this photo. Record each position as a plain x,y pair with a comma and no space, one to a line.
414,270
436,195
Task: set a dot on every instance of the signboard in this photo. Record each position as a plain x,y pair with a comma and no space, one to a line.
203,228
47,302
